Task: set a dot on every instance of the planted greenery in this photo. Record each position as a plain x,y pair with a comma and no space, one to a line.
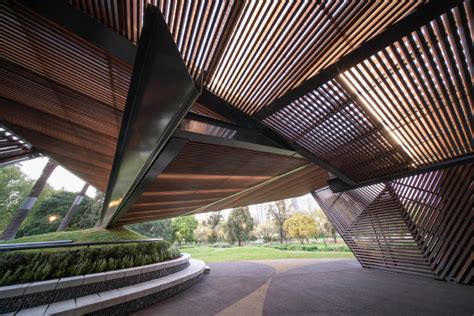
308,247
221,245
31,266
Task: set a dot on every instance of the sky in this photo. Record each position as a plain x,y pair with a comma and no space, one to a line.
60,179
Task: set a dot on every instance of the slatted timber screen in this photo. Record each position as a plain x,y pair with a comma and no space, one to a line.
202,110
420,89
61,122
346,206
196,26
380,237
254,51
40,46
421,224
204,174
334,127
12,148
275,45
440,207
408,106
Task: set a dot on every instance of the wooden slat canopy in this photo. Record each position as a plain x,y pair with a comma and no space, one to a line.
365,90
207,177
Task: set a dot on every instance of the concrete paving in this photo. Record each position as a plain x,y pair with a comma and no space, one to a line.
314,286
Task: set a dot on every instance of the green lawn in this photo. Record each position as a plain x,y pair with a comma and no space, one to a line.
209,254
86,235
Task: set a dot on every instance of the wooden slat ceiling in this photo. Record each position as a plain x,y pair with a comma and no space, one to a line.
205,177
60,122
196,25
408,106
271,47
277,45
54,53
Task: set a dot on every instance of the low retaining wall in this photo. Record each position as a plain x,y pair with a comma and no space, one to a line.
137,304
23,296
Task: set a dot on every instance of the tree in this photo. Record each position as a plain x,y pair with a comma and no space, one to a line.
330,229
300,226
202,233
49,214
279,214
156,229
72,210
266,231
214,221
14,187
28,203
239,225
183,228
324,225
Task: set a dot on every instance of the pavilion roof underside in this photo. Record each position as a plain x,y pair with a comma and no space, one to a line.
406,106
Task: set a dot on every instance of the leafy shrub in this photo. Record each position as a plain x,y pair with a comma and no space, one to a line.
32,266
221,245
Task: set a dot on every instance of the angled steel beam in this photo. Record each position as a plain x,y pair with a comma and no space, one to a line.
161,92
205,125
336,185
244,141
423,15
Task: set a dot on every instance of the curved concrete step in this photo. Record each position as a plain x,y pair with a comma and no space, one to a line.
29,295
99,301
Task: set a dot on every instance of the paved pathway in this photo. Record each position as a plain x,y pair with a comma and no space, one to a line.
314,286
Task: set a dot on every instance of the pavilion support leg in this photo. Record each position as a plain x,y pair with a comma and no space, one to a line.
72,210
20,215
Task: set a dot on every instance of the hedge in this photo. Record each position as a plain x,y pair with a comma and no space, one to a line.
31,266
308,247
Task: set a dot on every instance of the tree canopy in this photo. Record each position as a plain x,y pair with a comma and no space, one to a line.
279,213
183,228
14,186
266,231
202,233
239,225
47,217
300,226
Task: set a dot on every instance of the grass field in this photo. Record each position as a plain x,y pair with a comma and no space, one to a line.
86,235
209,254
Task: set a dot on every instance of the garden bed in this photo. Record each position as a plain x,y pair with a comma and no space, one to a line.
38,265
